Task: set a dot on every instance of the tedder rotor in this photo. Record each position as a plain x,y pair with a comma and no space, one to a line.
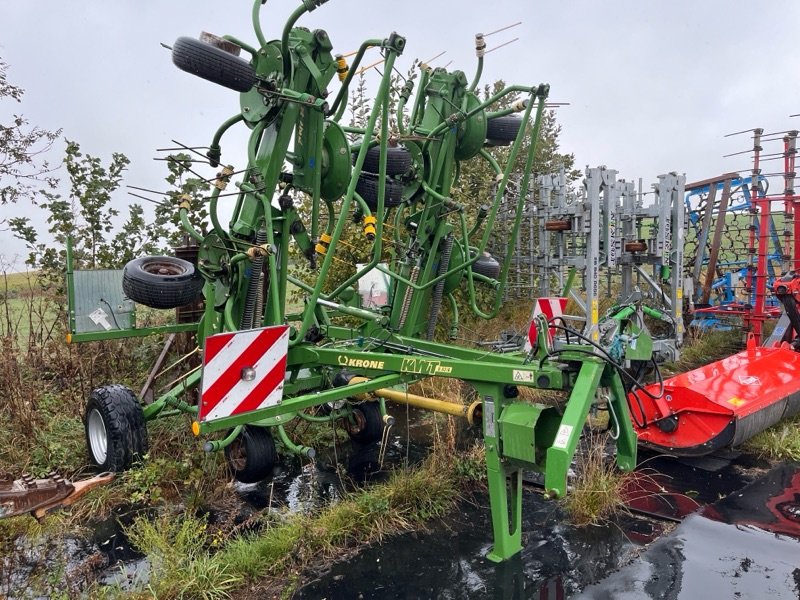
308,178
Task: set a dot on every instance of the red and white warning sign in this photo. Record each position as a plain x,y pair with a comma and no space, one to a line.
243,371
549,307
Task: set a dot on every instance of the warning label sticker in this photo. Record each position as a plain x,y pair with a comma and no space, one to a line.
522,375
562,437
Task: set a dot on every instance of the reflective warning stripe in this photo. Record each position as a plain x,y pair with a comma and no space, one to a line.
224,391
549,307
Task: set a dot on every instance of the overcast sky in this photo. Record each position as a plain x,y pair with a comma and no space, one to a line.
653,86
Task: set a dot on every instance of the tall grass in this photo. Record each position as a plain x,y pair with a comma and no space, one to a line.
44,382
779,442
190,560
703,347
597,490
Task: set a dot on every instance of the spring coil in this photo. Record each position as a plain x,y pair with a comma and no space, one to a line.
252,305
408,296
438,290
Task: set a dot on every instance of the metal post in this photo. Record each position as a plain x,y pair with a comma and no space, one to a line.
713,255
594,182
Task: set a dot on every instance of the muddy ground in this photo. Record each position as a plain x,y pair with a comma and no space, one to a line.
726,526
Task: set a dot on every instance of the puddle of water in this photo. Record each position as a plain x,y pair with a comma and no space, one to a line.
37,568
304,486
298,486
673,488
708,559
125,566
46,567
703,558
746,545
449,561
716,553
771,503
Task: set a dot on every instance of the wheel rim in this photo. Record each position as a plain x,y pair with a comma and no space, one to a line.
157,267
360,424
237,456
98,439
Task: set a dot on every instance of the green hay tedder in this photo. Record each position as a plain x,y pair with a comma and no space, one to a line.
308,178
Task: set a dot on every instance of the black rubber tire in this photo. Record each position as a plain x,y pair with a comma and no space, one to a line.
501,131
487,265
367,188
114,419
252,455
398,160
369,423
161,281
213,64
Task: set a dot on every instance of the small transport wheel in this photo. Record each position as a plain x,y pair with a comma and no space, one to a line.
367,187
161,281
252,456
398,160
368,426
213,64
501,131
116,433
487,265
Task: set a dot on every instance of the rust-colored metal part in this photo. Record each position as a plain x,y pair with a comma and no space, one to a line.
635,247
558,225
40,496
712,181
711,269
18,496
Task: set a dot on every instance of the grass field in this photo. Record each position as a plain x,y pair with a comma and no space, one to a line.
14,284
24,309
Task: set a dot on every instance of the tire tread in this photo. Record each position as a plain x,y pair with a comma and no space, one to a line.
398,160
501,131
125,426
373,423
213,64
160,292
367,187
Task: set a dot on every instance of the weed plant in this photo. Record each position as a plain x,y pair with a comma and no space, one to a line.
779,442
188,559
704,347
597,490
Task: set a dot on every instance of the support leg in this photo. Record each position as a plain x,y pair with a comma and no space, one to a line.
505,481
510,580
559,455
506,506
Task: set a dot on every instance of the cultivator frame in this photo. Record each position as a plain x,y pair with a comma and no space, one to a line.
606,240
433,248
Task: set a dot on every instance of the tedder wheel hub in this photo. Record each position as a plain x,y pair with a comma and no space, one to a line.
161,281
97,436
163,269
252,455
366,424
116,434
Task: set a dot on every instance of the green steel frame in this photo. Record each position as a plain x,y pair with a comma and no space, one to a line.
433,252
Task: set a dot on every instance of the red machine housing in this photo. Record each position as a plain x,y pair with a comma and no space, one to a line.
720,404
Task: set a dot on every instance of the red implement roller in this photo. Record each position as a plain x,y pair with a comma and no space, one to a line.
721,404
